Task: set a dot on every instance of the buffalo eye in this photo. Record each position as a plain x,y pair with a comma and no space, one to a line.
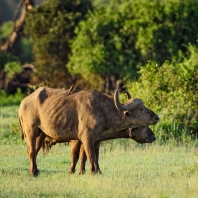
127,114
141,108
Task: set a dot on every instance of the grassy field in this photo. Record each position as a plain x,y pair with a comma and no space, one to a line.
129,169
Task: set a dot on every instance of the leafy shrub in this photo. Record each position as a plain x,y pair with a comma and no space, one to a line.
7,100
12,68
5,58
170,90
5,30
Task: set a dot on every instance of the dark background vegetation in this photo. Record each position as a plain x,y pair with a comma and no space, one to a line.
150,47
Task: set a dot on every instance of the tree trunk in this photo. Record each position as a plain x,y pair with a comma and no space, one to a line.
17,30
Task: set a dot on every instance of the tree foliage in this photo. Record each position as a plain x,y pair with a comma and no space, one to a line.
117,38
5,58
51,27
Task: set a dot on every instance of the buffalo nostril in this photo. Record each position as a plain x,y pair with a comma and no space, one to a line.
157,118
154,138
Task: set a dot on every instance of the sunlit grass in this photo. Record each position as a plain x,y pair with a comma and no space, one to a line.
9,125
139,171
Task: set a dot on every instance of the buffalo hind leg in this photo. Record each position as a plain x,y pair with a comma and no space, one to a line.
31,136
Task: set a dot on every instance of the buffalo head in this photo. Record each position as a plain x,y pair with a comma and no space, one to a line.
135,111
142,135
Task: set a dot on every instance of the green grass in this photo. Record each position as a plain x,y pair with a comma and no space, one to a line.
9,126
138,171
129,169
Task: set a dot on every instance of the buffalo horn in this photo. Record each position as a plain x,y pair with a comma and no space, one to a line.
118,105
127,93
126,107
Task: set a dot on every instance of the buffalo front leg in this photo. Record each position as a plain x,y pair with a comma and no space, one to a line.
75,149
90,152
97,168
83,159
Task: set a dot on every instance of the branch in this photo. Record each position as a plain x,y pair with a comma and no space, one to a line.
19,6
17,30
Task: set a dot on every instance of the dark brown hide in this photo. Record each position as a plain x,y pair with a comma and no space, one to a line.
87,116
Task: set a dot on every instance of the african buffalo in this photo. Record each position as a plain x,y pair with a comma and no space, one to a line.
83,115
138,134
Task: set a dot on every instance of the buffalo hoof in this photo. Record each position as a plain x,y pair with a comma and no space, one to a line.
95,172
81,172
34,172
71,171
99,172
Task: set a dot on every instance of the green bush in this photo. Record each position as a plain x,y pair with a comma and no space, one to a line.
9,100
5,58
171,90
12,68
5,30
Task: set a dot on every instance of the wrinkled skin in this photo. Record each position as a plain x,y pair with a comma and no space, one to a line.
139,134
83,115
